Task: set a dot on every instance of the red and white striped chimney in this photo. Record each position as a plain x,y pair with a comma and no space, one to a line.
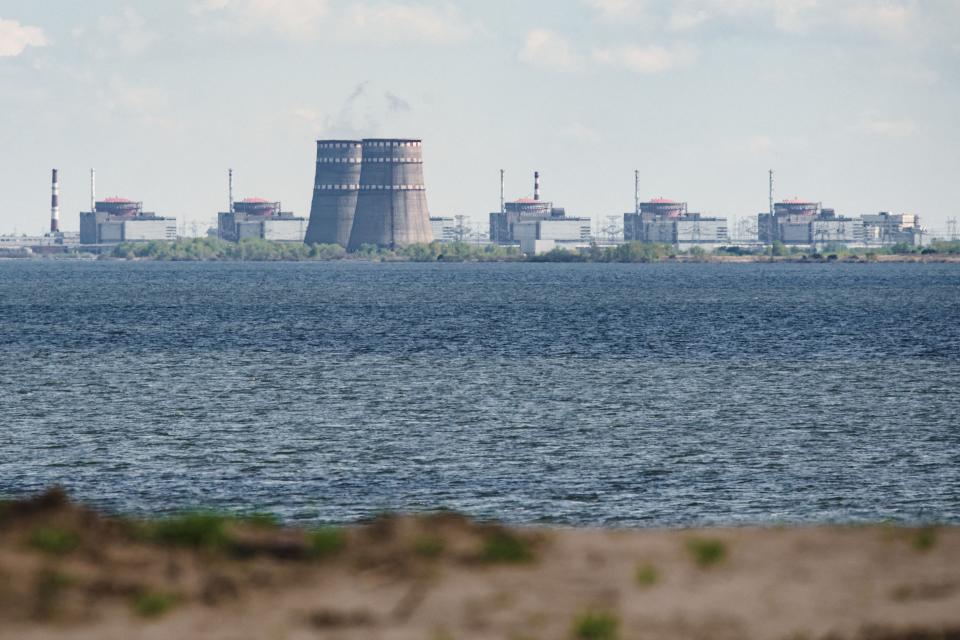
55,204
536,185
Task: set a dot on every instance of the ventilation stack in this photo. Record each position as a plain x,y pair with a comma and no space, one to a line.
392,205
55,204
335,191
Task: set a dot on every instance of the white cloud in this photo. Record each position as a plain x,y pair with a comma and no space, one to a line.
549,50
617,9
579,132
128,29
760,144
393,22
16,37
294,18
142,103
203,6
871,124
683,20
889,18
648,59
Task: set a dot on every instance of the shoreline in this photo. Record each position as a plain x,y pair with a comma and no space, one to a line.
684,259
73,573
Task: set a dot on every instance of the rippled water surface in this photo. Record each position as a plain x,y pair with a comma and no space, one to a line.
577,394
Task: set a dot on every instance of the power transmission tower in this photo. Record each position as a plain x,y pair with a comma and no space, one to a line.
613,229
461,230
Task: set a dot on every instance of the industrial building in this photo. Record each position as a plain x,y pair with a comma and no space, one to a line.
116,220
444,229
801,222
885,228
536,225
668,221
260,218
335,191
804,223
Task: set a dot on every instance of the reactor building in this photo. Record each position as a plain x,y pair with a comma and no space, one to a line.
537,225
262,219
670,222
369,192
116,220
804,223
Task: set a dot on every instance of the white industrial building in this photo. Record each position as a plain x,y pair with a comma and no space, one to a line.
545,234
260,219
444,229
117,220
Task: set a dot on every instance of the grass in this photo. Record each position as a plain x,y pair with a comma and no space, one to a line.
924,539
595,626
707,552
647,575
326,542
197,530
261,520
428,546
153,604
54,541
504,547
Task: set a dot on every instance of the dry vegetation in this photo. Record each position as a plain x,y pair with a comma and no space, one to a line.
67,572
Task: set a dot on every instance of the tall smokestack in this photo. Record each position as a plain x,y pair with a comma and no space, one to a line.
55,204
771,192
501,190
230,188
536,185
93,190
636,191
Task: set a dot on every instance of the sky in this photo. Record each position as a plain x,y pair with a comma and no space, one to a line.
853,103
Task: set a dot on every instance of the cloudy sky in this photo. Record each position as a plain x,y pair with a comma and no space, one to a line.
855,103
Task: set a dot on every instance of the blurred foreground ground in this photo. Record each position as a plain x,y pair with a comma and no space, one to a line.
66,572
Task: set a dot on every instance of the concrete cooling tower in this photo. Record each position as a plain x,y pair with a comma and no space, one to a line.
335,191
392,205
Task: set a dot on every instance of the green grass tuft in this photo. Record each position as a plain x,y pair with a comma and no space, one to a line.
924,539
596,626
647,575
261,520
506,547
429,546
707,552
198,530
327,542
54,541
152,604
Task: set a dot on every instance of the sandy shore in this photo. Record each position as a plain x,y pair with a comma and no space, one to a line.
66,572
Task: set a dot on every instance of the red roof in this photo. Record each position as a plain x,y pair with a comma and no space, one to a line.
255,201
797,201
526,200
117,200
663,201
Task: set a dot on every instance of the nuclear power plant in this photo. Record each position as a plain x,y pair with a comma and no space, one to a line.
369,192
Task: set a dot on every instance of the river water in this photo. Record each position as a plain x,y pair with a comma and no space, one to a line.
580,394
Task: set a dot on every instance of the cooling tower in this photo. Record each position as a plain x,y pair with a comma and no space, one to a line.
392,205
335,190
